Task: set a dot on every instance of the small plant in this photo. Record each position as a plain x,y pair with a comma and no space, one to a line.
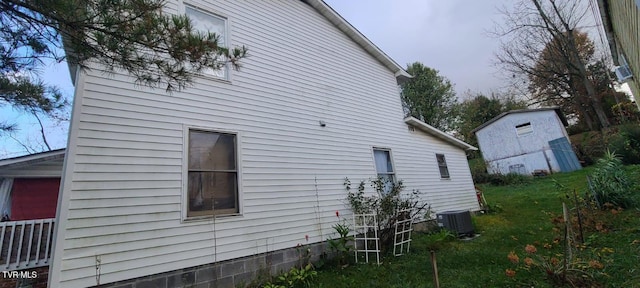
298,277
342,246
559,269
436,240
294,278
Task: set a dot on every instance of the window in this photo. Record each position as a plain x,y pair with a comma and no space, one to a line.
517,169
204,22
442,165
384,168
524,129
212,185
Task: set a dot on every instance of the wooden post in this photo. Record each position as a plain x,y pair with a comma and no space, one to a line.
575,197
567,245
434,264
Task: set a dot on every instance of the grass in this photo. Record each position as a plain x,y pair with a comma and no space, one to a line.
525,219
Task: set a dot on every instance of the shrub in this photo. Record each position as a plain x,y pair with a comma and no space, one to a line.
626,144
588,146
609,183
481,176
501,179
478,171
385,203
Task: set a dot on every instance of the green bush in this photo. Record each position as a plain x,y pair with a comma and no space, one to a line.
611,184
387,200
478,171
626,144
508,179
500,179
588,146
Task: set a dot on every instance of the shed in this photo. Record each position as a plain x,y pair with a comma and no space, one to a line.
527,141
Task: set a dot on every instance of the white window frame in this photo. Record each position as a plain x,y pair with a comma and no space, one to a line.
185,174
393,166
524,129
226,37
445,166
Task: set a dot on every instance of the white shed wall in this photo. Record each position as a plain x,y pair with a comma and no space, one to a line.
123,179
501,146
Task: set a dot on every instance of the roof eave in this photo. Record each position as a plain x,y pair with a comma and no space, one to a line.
558,111
603,6
424,127
32,159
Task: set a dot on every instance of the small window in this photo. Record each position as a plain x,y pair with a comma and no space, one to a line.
212,184
203,22
384,168
442,165
524,129
518,169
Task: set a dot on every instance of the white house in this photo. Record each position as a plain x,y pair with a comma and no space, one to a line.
523,141
224,179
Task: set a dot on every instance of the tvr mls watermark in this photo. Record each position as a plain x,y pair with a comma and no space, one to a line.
19,274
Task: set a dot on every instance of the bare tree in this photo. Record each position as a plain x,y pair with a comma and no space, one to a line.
542,46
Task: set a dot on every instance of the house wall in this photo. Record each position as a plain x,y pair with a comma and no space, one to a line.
625,18
502,147
122,202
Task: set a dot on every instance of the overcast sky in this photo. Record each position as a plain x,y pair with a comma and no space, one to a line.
449,36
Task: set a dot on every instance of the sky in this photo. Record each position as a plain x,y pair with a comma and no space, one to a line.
450,36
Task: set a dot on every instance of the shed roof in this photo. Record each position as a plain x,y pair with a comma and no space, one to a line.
557,109
424,127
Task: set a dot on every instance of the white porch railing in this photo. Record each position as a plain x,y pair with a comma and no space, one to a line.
25,244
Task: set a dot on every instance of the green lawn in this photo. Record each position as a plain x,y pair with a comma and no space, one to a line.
525,218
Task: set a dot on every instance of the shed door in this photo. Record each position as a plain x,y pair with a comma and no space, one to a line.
564,154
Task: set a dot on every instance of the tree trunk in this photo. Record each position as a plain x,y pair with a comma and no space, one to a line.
580,70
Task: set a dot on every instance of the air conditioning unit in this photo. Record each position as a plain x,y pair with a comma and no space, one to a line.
623,73
456,221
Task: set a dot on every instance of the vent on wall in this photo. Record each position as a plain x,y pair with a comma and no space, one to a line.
456,221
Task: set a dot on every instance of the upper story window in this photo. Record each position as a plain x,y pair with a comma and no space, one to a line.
442,166
203,22
212,184
524,129
384,168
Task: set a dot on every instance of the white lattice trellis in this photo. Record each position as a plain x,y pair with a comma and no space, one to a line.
402,236
366,239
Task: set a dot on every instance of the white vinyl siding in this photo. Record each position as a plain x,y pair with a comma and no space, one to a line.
124,182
